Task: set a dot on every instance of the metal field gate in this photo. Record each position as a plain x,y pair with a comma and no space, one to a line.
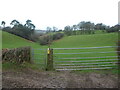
85,58
39,56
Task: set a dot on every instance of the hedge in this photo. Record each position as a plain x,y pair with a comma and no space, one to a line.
18,55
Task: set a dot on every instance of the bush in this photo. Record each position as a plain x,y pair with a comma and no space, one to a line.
7,29
115,28
18,55
58,36
35,37
47,39
44,40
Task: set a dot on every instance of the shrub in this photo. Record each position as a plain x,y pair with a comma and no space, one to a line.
35,37
58,36
115,28
18,55
7,29
45,39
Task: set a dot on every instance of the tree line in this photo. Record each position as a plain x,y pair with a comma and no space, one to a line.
89,28
27,31
84,27
19,29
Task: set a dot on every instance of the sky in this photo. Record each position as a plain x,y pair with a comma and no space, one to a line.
59,13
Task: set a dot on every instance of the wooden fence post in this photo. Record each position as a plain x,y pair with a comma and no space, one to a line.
49,59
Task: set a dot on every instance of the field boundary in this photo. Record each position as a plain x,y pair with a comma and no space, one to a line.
85,63
65,59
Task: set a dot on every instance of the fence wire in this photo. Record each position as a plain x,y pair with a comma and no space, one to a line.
86,58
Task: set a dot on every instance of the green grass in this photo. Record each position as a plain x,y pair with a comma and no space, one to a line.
18,67
13,41
95,40
76,41
99,32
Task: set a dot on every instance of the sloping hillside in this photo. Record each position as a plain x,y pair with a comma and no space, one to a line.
13,41
106,39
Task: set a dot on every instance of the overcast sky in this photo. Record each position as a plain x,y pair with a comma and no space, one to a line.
59,13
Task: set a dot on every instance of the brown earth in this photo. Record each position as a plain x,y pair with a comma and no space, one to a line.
64,79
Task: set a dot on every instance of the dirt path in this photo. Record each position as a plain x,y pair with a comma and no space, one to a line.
35,79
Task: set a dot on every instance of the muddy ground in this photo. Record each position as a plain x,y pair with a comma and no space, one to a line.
64,79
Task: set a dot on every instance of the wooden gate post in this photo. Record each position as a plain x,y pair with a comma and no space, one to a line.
49,59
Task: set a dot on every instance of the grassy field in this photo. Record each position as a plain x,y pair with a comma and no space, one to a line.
76,41
13,41
94,40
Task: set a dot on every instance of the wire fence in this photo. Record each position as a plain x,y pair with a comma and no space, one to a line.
39,57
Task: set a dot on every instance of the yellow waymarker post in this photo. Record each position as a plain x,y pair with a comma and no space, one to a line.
49,59
48,51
